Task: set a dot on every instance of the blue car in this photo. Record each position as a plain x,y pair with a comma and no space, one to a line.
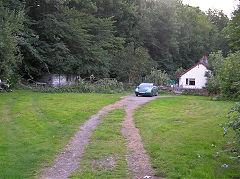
146,89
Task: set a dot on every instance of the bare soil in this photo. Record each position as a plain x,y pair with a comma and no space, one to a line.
183,122
105,163
137,159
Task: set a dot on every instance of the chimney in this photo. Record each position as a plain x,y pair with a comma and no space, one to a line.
204,60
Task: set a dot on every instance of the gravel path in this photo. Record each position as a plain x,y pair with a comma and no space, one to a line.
138,160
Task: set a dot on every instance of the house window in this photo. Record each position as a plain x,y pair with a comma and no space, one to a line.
190,81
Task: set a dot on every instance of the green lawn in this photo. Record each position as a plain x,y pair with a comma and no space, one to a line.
35,126
184,150
105,155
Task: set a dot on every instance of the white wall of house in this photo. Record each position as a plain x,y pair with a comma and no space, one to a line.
194,78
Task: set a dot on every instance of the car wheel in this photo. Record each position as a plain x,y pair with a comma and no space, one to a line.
136,94
156,94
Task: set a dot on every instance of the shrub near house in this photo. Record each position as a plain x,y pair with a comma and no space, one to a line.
225,78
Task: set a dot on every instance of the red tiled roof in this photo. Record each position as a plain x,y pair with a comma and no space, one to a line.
192,68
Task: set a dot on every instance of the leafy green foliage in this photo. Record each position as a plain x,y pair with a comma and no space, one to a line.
71,40
158,32
105,85
229,78
124,15
158,77
120,39
220,21
197,36
234,124
225,76
132,64
233,30
177,74
215,61
11,21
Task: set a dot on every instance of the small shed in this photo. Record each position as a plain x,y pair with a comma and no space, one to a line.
195,77
55,80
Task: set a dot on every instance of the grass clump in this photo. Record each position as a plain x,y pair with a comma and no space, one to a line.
34,127
105,155
183,138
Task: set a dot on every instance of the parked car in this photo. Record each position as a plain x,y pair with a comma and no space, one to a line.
146,89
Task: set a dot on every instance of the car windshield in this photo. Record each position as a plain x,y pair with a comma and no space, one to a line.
145,85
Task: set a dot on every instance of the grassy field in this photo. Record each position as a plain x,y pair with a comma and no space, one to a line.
35,126
182,136
105,155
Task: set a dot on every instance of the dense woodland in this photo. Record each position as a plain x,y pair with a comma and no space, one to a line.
122,39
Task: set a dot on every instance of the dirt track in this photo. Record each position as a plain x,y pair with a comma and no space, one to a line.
137,159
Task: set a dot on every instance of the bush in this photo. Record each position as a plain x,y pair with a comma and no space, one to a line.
158,77
224,79
105,85
234,124
200,92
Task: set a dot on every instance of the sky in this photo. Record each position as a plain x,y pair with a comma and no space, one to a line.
227,6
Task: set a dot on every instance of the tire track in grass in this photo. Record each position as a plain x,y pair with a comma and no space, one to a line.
67,161
137,159
105,154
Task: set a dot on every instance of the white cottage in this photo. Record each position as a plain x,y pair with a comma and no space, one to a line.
194,77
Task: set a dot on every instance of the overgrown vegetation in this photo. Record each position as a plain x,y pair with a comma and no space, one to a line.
34,127
105,85
224,79
158,77
183,138
11,22
120,39
234,124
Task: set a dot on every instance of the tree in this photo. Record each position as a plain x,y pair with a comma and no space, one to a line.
197,36
66,38
124,15
224,78
233,30
159,31
177,74
220,20
11,21
215,62
229,77
132,64
158,77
